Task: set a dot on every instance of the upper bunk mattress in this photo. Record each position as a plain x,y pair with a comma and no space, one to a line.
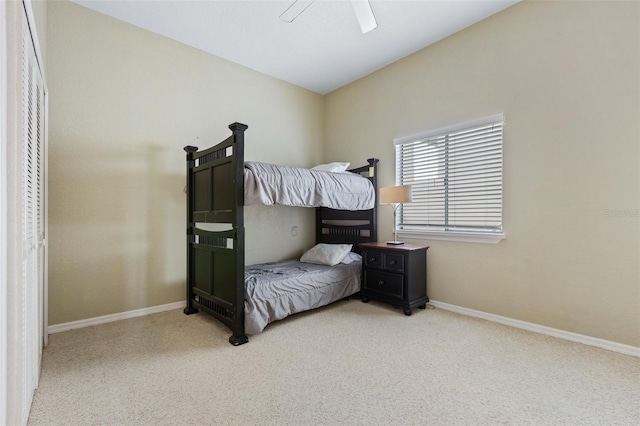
293,186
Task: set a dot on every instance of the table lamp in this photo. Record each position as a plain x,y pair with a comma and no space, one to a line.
394,196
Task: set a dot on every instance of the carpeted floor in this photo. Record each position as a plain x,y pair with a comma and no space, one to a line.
348,363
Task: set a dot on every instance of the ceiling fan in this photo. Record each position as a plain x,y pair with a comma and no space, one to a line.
362,9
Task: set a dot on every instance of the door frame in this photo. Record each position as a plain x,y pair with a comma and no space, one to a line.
3,214
8,324
28,9
41,290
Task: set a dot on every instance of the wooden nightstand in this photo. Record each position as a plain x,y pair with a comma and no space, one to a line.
395,274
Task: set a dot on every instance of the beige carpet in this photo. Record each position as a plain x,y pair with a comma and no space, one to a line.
349,363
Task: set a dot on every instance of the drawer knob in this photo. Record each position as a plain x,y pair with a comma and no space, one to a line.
372,259
392,262
381,282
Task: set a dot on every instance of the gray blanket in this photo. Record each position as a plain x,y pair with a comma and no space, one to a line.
276,290
293,186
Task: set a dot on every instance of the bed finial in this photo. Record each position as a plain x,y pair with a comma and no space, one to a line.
238,126
372,167
190,148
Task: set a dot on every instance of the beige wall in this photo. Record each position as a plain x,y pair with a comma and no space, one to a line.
567,77
123,103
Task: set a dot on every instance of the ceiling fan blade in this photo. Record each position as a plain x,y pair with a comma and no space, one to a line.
364,13
295,9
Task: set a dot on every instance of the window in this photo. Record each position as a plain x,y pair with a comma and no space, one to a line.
455,174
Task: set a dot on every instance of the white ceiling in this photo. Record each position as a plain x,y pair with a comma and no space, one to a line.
322,50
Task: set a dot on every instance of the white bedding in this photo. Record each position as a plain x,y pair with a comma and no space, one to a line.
293,186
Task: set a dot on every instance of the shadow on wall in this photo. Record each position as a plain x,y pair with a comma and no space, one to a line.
116,222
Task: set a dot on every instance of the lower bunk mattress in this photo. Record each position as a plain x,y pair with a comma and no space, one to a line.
276,290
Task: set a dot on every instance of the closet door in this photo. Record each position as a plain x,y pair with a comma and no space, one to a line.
33,219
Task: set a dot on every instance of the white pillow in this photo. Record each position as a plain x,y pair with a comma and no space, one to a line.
351,257
326,254
331,167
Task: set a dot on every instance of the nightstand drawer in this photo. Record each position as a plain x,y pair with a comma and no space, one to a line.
383,283
373,259
394,262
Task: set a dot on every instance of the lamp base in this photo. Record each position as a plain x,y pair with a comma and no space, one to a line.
395,243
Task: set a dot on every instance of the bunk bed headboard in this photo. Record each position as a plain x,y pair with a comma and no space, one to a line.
350,226
215,258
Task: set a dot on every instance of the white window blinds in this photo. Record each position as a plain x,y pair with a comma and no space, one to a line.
456,178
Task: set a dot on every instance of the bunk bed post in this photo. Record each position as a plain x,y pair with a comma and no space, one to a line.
239,337
373,171
190,309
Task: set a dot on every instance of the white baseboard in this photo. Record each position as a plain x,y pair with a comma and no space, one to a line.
57,328
554,332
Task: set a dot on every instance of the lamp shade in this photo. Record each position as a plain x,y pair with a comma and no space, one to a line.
395,194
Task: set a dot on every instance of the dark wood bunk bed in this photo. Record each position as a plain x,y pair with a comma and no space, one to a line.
216,259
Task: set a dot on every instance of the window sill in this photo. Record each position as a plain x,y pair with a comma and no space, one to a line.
466,237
